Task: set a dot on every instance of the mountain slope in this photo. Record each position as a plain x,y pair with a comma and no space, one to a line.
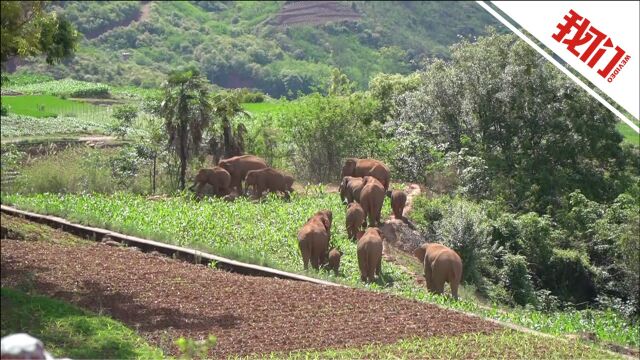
279,47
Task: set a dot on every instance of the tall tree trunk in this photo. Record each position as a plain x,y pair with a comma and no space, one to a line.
183,155
154,174
227,137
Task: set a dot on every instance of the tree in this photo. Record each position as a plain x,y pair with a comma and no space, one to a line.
226,107
186,110
27,30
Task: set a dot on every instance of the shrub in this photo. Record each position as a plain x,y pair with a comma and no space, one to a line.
516,278
570,276
464,228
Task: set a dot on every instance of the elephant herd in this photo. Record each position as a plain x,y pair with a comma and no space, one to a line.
364,185
254,171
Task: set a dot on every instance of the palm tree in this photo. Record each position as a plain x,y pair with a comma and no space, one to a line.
226,107
187,113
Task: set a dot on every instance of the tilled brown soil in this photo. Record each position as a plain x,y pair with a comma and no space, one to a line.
164,298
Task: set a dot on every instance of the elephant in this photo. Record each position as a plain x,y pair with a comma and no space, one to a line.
238,166
370,254
371,199
217,177
367,167
354,219
313,239
441,264
288,181
398,201
268,179
350,188
334,260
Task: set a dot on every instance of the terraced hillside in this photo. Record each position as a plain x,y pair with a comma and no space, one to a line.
314,12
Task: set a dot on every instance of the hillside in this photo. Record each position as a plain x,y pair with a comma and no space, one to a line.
279,47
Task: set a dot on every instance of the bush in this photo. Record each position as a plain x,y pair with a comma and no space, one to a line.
464,228
570,276
324,131
516,278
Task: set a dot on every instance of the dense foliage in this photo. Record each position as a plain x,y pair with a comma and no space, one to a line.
27,29
240,44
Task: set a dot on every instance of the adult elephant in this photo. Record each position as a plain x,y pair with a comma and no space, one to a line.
371,199
239,166
268,179
313,239
217,177
369,252
367,167
441,264
350,189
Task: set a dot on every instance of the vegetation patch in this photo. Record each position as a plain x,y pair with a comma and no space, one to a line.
15,126
46,106
68,331
502,345
265,233
65,87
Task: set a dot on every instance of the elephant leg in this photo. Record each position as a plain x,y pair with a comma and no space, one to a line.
306,254
454,289
199,190
379,267
362,264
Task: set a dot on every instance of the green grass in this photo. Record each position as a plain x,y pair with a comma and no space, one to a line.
267,107
504,345
265,233
628,133
68,331
46,106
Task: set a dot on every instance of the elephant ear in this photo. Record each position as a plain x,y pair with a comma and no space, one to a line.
326,222
420,252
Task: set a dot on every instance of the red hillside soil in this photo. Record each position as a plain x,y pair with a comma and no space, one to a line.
314,13
164,298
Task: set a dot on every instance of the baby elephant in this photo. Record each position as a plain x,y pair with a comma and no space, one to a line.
334,260
370,254
441,264
269,179
354,220
398,201
313,238
217,177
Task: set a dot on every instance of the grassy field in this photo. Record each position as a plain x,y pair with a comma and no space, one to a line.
502,345
47,106
68,331
628,133
265,233
21,126
64,87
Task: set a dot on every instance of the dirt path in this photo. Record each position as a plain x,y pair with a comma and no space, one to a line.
163,299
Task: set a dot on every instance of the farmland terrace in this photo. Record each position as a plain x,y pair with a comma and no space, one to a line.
166,298
314,12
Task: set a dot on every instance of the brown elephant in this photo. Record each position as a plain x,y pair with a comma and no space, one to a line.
441,264
313,239
370,254
268,179
354,219
371,199
350,189
217,177
367,167
288,181
398,201
239,166
334,260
